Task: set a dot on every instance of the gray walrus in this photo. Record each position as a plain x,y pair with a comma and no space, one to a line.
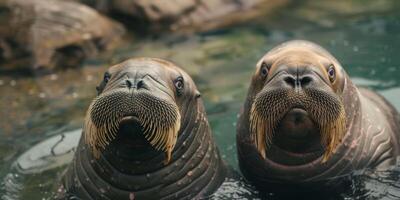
146,136
304,122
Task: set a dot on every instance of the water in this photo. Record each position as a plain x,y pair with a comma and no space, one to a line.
364,37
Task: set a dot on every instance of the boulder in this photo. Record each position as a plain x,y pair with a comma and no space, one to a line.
54,34
187,15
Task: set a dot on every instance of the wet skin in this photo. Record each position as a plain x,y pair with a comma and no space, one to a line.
146,135
304,123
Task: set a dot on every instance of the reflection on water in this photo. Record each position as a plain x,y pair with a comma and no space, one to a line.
363,36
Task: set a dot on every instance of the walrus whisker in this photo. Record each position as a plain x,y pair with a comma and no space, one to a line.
270,106
336,130
103,121
332,122
260,136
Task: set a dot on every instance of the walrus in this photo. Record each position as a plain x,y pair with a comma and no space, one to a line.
304,123
145,136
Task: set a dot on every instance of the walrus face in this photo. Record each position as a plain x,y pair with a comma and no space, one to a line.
296,98
145,93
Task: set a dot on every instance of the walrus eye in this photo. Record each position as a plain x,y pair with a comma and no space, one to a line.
107,77
331,73
264,69
179,84
102,85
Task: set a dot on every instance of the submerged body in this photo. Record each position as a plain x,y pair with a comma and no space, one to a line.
325,128
146,136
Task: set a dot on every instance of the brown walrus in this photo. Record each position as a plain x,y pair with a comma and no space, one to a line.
304,122
146,136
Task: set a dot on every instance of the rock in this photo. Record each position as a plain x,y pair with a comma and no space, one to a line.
188,15
53,152
54,33
327,14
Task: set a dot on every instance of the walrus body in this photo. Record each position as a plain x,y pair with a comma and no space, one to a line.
304,123
146,136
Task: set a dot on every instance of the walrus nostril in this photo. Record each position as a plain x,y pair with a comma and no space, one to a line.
290,81
304,81
129,83
140,84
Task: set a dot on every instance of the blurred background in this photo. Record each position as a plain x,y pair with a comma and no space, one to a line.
53,53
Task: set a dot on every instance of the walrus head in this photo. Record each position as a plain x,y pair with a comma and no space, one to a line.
144,97
295,100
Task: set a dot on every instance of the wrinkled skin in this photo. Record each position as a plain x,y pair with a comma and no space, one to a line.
298,152
126,161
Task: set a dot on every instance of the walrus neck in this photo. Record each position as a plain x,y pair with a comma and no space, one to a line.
352,104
